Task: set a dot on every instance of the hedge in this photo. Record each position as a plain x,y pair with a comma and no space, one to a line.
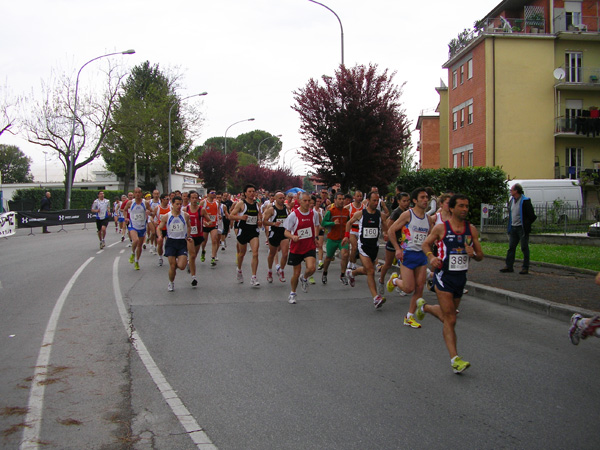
480,184
30,199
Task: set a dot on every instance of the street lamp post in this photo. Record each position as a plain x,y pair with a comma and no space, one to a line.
341,27
265,139
170,109
72,142
240,121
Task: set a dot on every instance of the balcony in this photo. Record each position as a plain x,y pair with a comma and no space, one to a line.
579,78
575,23
576,172
514,25
579,127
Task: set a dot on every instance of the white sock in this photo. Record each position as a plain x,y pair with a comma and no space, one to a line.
409,315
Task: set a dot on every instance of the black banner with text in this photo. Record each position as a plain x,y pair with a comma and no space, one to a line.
31,219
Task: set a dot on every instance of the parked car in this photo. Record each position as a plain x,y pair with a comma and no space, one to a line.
594,230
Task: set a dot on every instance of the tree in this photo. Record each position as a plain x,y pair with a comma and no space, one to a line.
140,127
14,165
49,122
353,127
269,149
7,117
265,178
216,167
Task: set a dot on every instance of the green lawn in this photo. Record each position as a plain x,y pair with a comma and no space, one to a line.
584,257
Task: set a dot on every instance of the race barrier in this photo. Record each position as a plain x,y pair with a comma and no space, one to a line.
33,219
8,224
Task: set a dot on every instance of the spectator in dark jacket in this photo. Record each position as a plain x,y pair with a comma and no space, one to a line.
45,207
520,218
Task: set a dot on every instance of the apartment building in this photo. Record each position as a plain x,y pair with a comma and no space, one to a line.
523,92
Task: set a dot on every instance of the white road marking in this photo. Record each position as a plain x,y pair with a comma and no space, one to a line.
31,433
189,423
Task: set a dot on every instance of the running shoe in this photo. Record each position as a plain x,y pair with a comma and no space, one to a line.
222,248
240,277
380,287
100,245
213,262
194,281
132,258
390,284
411,322
129,245
203,256
292,298
281,275
378,301
254,281
270,276
575,318
304,283
344,280
144,246
122,238
160,261
320,265
136,265
420,312
459,366
171,286
311,280
324,278
350,277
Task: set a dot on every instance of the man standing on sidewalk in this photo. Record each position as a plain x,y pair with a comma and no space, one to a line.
45,206
520,218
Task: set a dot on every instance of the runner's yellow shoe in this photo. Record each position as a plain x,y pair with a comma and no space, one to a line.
411,322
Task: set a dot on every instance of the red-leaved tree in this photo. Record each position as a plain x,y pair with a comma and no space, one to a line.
354,127
215,167
265,178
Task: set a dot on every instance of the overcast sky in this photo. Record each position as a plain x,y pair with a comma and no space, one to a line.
249,55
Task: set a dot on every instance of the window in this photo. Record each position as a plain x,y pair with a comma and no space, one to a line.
462,118
455,160
455,121
454,80
574,159
470,114
573,66
462,160
573,110
471,158
573,13
462,74
470,69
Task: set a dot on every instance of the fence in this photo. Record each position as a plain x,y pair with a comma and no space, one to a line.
551,218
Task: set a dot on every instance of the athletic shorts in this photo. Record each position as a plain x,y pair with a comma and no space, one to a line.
245,236
226,223
176,247
321,232
140,233
198,240
331,246
369,252
449,282
209,229
276,239
389,247
121,219
355,232
101,223
294,258
413,259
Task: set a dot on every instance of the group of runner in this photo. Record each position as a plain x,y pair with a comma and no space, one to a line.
179,226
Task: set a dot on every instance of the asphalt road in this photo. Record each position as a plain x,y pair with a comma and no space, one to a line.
253,372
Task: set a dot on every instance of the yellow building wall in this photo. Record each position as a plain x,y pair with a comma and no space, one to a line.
520,106
444,127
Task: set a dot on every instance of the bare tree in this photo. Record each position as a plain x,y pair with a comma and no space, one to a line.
49,121
7,118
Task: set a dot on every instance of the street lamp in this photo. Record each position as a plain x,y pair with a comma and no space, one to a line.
46,164
265,139
341,27
72,142
240,121
170,109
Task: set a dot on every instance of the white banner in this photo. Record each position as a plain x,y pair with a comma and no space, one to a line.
8,224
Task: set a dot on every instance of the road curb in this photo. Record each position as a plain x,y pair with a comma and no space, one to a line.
526,302
549,265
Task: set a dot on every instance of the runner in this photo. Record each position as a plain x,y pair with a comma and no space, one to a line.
381,206
158,213
115,209
178,228
403,201
227,204
369,229
194,211
413,226
583,327
336,218
315,204
101,207
273,217
153,202
354,207
458,241
211,205
125,215
302,226
248,214
137,211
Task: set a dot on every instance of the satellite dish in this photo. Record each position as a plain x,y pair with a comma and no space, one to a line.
559,74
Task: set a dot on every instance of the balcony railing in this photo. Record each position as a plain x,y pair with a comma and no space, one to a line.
581,75
566,22
576,172
514,25
582,126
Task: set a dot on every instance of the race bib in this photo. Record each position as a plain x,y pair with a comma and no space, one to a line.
195,229
280,220
212,218
252,220
370,232
305,233
177,226
458,262
419,238
139,217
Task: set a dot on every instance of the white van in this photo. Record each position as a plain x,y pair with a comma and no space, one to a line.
544,193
